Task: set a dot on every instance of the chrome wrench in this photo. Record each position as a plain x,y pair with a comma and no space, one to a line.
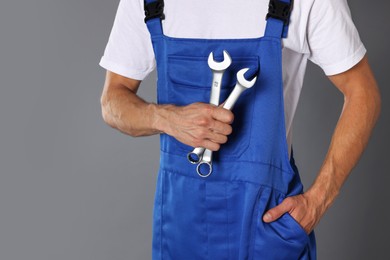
218,68
241,85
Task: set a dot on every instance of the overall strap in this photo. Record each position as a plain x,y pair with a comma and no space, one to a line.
154,13
278,18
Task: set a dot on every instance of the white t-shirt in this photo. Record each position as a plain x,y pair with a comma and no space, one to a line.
320,30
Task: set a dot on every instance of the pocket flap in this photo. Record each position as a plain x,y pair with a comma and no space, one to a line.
190,71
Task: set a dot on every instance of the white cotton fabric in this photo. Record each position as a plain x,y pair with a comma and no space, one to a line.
321,31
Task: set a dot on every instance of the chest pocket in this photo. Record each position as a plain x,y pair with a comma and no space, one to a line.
189,81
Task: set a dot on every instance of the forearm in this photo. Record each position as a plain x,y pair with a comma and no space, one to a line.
357,120
197,125
124,110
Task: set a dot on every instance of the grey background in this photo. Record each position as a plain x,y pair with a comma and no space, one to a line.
73,188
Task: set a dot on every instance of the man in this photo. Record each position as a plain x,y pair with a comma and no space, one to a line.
320,31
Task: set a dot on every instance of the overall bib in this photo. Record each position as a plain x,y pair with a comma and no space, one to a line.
220,217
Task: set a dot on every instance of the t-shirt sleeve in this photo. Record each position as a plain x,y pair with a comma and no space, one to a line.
129,51
333,39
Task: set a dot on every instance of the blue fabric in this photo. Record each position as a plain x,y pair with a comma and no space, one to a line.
220,217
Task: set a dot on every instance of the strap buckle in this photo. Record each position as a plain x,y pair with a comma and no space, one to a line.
154,9
279,10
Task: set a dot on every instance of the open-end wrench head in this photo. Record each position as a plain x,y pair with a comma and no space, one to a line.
242,80
219,66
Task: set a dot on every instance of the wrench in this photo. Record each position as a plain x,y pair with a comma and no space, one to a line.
241,85
218,68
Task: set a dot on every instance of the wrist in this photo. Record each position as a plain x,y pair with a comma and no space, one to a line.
327,185
160,117
326,188
322,197
323,192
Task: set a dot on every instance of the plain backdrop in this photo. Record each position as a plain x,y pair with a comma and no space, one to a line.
72,188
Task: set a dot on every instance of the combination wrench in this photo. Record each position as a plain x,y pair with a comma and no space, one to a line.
218,68
241,85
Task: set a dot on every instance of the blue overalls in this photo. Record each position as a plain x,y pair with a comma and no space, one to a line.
220,217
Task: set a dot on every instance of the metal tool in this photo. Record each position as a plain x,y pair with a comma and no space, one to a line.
218,69
241,85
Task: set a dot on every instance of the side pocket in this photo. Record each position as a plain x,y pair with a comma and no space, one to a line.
281,239
295,225
189,81
292,222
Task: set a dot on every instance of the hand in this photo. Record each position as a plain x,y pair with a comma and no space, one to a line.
200,125
304,208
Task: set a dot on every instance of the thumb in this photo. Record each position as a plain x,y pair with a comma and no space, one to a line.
276,212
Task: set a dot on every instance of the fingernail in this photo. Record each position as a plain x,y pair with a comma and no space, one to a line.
267,217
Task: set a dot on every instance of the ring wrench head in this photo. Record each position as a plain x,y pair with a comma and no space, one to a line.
243,81
196,155
204,164
219,66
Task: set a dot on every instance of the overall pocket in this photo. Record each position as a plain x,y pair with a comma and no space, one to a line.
189,81
281,239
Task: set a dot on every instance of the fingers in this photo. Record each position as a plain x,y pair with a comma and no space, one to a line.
201,125
210,145
221,128
216,128
276,212
211,141
217,133
217,138
223,115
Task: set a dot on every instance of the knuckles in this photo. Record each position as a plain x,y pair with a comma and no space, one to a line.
207,109
196,142
202,132
202,121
